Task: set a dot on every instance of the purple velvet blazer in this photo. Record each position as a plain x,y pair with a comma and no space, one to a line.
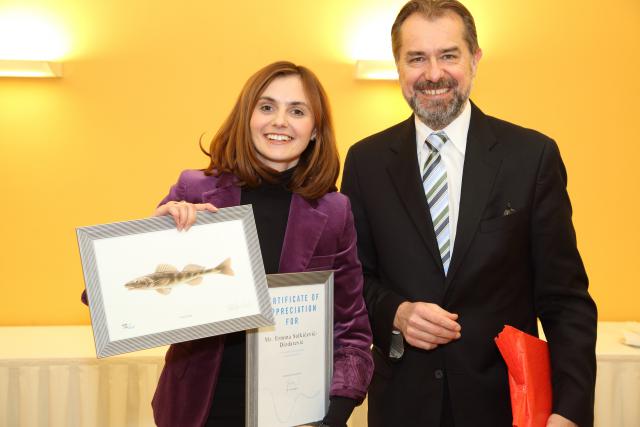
320,235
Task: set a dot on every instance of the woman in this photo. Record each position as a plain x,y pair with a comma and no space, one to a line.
276,151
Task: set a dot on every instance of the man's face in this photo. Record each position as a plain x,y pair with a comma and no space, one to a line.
436,67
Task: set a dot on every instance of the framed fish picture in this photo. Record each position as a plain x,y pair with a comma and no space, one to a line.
290,364
150,285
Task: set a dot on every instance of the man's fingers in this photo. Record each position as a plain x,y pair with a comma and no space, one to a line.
417,323
426,325
438,316
421,335
425,345
557,420
439,331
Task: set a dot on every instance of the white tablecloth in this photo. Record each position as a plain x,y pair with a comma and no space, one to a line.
618,379
49,376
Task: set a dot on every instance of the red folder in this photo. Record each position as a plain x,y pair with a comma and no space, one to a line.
527,359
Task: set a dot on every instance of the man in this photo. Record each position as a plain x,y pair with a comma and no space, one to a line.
503,250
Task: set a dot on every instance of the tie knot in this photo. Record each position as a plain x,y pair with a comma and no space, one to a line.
436,140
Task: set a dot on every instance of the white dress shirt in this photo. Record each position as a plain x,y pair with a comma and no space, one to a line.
452,156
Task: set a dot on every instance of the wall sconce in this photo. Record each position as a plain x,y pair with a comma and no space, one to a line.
367,69
20,68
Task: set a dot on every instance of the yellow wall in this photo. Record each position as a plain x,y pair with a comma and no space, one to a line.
143,79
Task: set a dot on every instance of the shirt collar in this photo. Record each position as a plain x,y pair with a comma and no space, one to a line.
456,131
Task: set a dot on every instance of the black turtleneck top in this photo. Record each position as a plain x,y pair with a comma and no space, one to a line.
270,203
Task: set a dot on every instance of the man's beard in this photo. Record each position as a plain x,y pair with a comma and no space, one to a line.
440,113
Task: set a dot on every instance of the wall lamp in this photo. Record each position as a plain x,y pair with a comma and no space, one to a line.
23,68
370,69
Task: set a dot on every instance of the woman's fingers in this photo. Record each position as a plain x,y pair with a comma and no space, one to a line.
206,207
190,216
178,211
184,213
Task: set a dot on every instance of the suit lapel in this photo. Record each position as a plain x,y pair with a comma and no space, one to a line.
481,165
225,194
405,175
304,228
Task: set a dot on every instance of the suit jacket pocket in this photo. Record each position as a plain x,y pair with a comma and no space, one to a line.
322,262
502,223
381,363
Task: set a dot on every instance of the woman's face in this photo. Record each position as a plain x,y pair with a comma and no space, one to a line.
282,123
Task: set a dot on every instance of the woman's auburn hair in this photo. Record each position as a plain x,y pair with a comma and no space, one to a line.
232,149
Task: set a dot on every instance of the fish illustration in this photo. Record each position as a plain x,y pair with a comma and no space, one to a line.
167,276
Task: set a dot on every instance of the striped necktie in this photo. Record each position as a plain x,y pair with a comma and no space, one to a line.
434,181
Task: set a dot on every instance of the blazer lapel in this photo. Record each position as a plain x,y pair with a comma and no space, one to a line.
481,165
304,228
225,194
405,175
305,224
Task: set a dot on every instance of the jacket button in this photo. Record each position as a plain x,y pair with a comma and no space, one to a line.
438,374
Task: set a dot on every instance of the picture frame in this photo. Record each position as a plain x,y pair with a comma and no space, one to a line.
290,364
150,285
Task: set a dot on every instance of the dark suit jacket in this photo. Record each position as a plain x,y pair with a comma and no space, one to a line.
320,236
505,269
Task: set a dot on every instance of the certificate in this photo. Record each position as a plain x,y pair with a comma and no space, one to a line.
290,364
149,285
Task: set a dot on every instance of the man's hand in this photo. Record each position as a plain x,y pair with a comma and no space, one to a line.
425,325
556,420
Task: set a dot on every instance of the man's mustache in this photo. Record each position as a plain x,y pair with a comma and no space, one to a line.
440,84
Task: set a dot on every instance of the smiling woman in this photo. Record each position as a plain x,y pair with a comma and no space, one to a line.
279,101
277,152
282,123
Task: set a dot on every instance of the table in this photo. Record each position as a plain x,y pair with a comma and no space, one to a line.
49,376
618,379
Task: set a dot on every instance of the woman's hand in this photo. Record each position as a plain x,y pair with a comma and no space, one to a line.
183,213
